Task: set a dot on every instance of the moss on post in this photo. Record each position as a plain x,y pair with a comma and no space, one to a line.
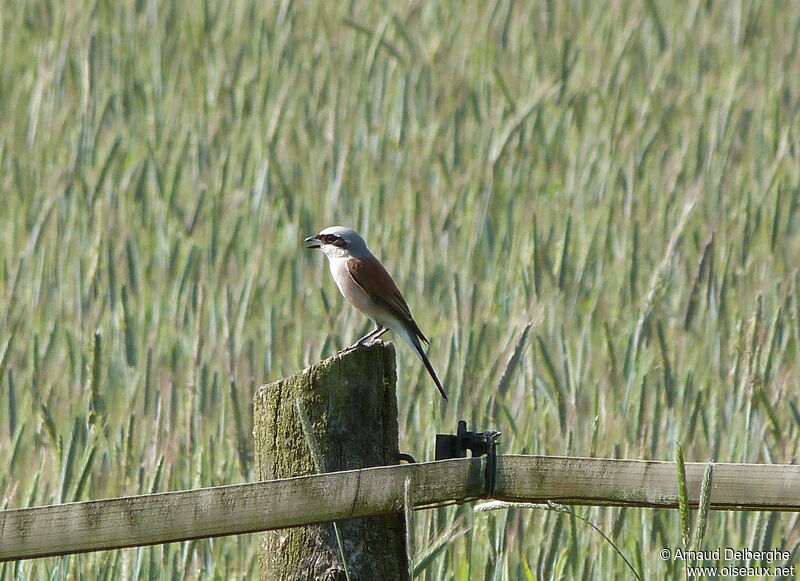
350,406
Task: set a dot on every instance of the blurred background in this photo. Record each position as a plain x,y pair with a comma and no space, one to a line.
592,208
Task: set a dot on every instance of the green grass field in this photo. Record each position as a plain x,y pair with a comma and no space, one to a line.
593,210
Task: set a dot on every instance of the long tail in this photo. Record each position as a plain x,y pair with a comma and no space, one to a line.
414,343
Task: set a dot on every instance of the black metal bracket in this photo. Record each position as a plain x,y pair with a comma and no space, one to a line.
406,458
479,443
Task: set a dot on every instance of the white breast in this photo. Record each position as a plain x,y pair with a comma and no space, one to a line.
350,289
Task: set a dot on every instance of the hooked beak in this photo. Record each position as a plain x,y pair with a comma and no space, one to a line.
312,242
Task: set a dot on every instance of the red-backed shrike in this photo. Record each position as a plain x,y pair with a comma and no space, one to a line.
364,282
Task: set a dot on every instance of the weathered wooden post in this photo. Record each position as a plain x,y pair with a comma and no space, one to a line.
348,403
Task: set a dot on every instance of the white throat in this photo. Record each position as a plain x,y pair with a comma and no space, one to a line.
332,251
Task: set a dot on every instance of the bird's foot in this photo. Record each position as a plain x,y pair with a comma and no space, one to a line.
365,341
357,345
352,347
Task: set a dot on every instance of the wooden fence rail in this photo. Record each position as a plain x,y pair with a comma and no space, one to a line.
245,508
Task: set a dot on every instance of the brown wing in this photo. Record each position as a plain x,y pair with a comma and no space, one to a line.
371,276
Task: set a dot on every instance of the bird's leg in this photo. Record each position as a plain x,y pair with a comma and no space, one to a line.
379,334
374,334
369,336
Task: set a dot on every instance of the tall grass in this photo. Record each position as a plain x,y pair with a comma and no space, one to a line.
593,210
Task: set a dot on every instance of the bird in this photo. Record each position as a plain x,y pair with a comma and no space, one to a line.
366,284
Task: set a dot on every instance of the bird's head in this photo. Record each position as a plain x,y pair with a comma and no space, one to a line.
338,241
